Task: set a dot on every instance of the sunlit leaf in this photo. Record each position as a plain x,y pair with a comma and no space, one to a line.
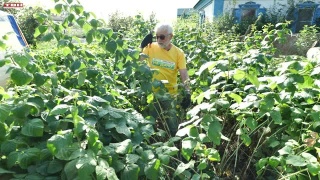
253,79
246,139
214,155
314,168
207,65
152,169
239,75
274,161
123,147
188,146
295,160
81,78
236,97
60,109
182,167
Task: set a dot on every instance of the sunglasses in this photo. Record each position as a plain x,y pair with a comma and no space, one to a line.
162,37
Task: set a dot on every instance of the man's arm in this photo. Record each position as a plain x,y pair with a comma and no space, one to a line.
185,78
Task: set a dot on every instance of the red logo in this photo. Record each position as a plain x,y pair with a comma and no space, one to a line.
12,5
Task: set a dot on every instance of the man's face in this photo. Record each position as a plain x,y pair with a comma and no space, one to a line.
163,38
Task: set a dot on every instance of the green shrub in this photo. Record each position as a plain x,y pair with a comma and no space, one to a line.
28,23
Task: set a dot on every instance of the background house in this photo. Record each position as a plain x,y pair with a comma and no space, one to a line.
304,13
185,12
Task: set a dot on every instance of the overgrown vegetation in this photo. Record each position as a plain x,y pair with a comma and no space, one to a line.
79,110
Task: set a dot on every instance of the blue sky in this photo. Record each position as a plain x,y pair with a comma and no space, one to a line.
165,10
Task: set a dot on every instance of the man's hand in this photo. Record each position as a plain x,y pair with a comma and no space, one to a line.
186,101
146,40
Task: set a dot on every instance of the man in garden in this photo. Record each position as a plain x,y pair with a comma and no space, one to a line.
168,60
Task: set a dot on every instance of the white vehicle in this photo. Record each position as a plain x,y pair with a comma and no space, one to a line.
14,42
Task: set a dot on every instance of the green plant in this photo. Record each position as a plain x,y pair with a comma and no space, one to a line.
306,37
28,23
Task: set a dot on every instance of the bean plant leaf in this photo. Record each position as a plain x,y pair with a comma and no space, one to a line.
236,97
164,159
81,78
239,75
28,157
33,128
70,169
202,165
75,65
106,173
214,155
246,139
253,79
3,131
4,112
188,146
40,79
276,116
131,171
77,8
55,166
21,60
21,77
86,166
123,147
8,146
111,46
207,65
182,167
21,110
58,8
274,161
152,169
314,168
296,160
4,171
214,132
89,36
94,23
193,132
62,146
106,31
251,123
60,109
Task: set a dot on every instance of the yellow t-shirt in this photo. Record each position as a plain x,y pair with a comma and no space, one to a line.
166,63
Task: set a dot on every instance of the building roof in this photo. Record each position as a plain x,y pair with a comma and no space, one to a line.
201,4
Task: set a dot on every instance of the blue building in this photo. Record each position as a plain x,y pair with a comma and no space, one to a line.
304,13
